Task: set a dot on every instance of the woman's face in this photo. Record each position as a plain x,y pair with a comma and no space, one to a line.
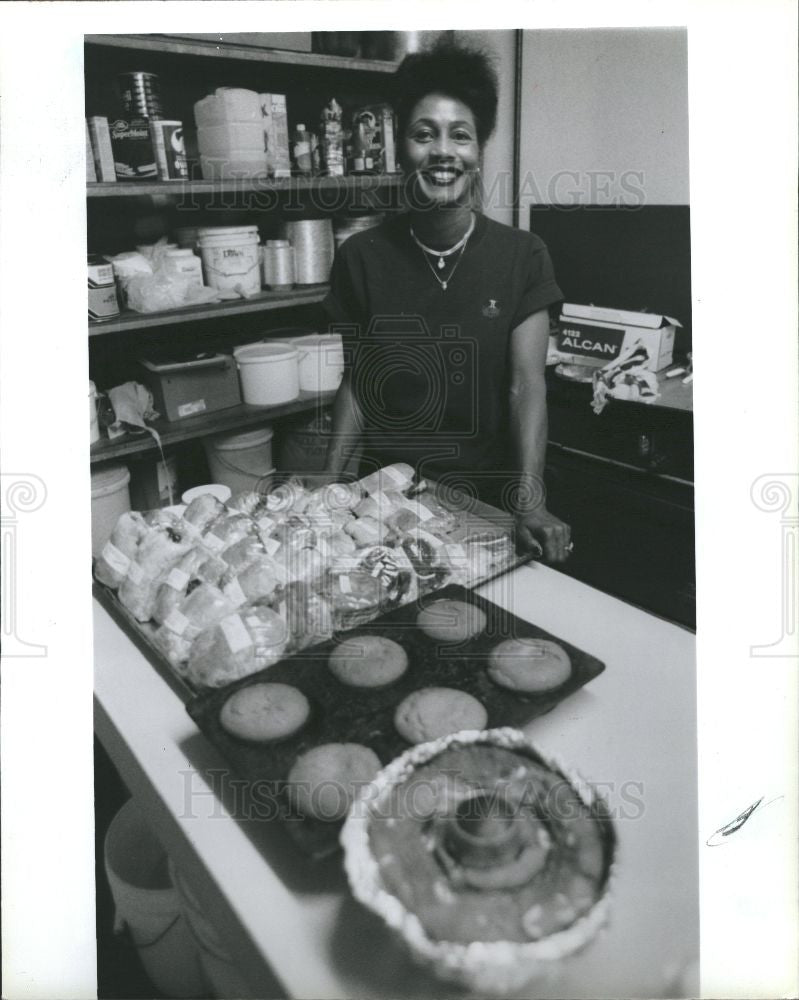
440,150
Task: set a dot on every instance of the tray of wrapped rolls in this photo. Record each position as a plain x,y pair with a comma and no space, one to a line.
213,592
303,734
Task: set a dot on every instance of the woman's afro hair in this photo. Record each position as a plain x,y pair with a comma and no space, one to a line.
465,73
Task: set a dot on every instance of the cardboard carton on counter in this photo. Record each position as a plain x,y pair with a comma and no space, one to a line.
595,336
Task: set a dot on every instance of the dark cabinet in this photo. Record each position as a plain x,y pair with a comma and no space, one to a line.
623,481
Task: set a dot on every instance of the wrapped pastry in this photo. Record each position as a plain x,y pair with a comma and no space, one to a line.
236,646
423,552
366,531
397,476
201,608
355,596
257,581
240,554
158,552
393,569
114,561
196,566
203,511
226,530
247,502
308,614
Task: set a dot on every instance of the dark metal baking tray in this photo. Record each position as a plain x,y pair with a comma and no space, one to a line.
345,714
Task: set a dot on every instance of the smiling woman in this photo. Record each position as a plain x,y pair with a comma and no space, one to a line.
444,313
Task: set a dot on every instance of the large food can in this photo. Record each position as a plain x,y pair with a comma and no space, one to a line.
102,290
140,94
170,152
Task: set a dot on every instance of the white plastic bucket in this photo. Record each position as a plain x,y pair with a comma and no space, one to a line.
148,904
270,373
110,499
241,462
321,361
231,257
94,424
220,968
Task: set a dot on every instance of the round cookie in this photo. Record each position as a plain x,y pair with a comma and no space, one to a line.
429,713
451,621
324,781
368,661
529,666
264,712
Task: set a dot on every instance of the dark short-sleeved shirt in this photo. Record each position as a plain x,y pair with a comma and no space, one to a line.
430,368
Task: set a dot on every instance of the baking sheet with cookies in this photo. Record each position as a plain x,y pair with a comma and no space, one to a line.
343,713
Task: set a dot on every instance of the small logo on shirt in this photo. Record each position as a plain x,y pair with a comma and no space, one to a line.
492,310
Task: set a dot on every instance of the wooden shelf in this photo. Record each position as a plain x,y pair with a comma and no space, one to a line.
234,418
197,47
129,320
179,188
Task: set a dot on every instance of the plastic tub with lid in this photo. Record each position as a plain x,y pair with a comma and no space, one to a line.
269,372
231,257
110,499
321,361
241,462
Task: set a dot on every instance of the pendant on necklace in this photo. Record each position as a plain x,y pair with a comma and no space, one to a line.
444,285
441,263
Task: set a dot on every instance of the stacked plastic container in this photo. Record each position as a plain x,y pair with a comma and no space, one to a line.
230,134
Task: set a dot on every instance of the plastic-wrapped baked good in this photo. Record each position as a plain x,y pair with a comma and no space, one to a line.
238,645
120,549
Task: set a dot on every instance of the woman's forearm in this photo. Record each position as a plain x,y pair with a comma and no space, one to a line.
347,428
528,425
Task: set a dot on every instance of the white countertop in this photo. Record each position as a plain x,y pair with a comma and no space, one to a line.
631,731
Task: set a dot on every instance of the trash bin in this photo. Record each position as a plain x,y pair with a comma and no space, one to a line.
148,906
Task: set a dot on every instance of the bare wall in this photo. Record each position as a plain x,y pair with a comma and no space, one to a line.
604,117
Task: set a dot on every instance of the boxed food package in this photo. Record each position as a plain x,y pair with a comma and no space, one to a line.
101,148
594,336
134,152
185,387
276,134
373,141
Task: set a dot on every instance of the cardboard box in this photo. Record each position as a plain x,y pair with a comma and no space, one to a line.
186,388
276,134
101,148
594,336
91,172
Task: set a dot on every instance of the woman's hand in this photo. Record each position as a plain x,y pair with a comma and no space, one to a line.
552,534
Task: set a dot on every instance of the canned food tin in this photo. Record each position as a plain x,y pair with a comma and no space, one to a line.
140,94
170,153
102,290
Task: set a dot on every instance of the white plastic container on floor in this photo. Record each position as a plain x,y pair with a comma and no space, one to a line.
148,905
231,258
110,499
321,361
220,968
241,462
269,372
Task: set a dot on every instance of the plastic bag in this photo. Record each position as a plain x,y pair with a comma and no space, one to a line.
148,287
